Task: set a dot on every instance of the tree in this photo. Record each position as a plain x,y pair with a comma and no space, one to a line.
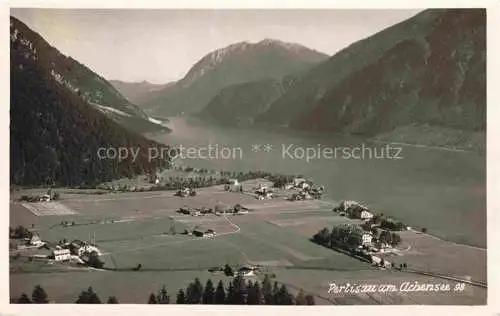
300,299
404,265
220,293
230,296
24,299
152,299
283,297
254,294
424,230
194,292
310,300
240,293
39,296
94,261
396,239
209,293
163,297
322,237
275,293
181,297
21,232
112,300
88,297
267,291
228,271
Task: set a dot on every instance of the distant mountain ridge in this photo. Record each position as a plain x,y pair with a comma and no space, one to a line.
79,79
139,92
239,104
238,63
427,70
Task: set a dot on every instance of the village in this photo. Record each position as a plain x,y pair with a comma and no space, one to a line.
250,228
374,239
23,242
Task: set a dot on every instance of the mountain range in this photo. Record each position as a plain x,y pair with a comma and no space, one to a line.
238,63
76,77
420,81
57,121
430,69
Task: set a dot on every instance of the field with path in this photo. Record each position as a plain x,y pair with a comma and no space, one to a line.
138,228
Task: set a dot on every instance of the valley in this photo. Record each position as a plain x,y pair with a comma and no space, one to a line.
362,168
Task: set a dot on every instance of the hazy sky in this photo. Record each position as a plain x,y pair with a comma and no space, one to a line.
161,45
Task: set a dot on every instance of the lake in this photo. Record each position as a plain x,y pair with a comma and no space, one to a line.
444,191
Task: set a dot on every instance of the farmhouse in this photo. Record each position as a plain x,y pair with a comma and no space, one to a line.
246,271
195,213
61,255
207,233
45,198
298,181
184,210
366,215
36,241
263,193
154,179
366,239
380,262
240,209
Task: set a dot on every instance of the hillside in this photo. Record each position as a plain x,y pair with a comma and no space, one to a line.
238,63
79,79
430,69
55,135
139,92
240,104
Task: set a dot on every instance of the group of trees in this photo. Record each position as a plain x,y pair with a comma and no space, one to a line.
39,296
387,237
92,259
346,236
350,236
391,224
20,232
237,292
55,135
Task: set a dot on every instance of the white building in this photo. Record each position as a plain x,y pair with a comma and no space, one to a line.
366,239
88,248
234,182
36,241
298,181
45,198
246,271
366,215
378,261
61,255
